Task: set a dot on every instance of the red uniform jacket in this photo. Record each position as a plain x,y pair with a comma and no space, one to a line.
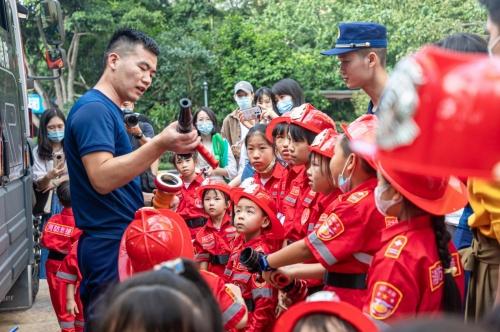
313,211
60,232
348,237
214,245
272,185
232,311
296,190
190,206
406,277
68,271
255,291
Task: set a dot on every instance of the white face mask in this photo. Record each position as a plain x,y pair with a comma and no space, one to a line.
381,204
492,44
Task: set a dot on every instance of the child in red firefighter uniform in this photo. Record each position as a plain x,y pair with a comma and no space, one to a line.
213,242
304,123
58,236
158,235
258,228
190,205
349,236
418,270
69,274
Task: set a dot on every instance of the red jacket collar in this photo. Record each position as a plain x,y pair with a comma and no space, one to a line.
277,173
405,226
225,221
67,211
369,184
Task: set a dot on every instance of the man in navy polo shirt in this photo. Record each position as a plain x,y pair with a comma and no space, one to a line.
362,48
103,170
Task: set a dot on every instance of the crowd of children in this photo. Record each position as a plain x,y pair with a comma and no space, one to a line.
326,235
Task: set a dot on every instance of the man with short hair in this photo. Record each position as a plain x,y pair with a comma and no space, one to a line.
362,49
232,129
103,170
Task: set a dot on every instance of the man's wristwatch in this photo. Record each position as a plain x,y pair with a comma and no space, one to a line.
264,264
139,136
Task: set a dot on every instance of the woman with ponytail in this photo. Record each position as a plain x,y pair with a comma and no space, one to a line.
417,270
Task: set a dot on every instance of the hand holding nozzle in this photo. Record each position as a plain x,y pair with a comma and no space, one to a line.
185,126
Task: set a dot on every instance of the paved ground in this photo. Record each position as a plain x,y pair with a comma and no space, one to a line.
40,318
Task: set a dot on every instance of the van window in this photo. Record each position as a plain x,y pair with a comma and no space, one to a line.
3,16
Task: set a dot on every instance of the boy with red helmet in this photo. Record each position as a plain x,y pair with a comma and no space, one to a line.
58,235
190,206
213,242
158,235
258,228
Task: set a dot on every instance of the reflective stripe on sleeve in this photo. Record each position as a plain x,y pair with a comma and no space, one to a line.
230,312
363,257
262,292
67,325
227,272
241,276
66,276
322,249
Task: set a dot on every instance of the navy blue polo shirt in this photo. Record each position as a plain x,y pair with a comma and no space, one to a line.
95,124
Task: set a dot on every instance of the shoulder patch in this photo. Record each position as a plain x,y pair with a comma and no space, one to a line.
357,196
396,247
390,221
330,228
436,276
305,216
385,300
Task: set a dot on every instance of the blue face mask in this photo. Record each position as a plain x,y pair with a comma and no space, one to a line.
284,106
343,183
243,102
56,135
205,128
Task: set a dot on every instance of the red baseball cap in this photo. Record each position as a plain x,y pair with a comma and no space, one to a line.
154,236
213,183
342,310
305,116
436,195
257,194
438,114
363,129
324,143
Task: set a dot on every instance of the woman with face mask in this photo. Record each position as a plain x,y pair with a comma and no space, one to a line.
348,234
288,94
417,271
206,123
49,167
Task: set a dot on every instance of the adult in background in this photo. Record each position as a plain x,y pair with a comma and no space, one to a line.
140,134
484,197
362,49
103,170
232,129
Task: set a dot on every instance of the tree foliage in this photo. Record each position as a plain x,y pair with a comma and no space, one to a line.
224,41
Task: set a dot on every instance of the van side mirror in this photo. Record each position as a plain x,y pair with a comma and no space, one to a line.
51,19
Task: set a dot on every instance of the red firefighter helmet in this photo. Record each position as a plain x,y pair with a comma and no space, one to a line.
305,116
438,114
363,129
212,183
154,236
324,143
344,311
257,194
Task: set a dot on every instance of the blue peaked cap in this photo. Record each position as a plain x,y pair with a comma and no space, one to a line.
354,36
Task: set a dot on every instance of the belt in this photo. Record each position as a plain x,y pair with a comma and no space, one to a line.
346,280
55,255
219,259
196,222
250,304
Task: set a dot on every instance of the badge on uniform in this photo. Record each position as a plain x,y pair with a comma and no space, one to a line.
331,228
385,300
436,276
208,241
305,216
396,247
357,196
390,221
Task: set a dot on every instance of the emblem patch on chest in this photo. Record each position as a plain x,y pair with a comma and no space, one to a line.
330,228
385,300
396,247
357,196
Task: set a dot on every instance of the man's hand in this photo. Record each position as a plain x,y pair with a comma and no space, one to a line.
134,131
172,140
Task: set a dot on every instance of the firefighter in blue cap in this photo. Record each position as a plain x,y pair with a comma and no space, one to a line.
362,48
